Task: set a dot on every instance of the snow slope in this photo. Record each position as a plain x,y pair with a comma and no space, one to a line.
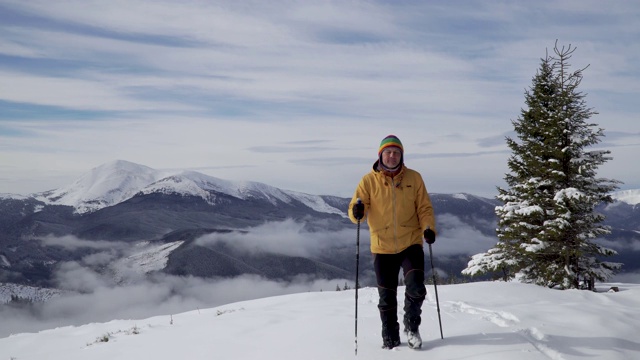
481,321
147,257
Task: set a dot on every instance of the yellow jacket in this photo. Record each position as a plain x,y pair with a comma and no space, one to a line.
397,209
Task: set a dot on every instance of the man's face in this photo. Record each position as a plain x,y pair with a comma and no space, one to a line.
391,157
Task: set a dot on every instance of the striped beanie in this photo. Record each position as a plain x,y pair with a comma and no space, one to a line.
390,141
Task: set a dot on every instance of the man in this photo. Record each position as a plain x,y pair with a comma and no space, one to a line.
395,203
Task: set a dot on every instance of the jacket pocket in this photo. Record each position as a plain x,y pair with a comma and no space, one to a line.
406,231
382,237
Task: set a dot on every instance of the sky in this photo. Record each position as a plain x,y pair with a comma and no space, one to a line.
298,94
483,321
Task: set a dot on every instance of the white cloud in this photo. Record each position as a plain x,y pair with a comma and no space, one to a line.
72,242
459,236
287,238
73,276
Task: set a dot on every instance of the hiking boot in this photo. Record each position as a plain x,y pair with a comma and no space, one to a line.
390,336
390,344
413,339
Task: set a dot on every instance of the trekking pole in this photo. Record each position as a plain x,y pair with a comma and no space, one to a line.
436,288
357,285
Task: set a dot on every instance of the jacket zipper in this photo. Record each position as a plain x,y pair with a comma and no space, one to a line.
395,215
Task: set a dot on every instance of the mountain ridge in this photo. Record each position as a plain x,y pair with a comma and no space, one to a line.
114,182
120,180
164,207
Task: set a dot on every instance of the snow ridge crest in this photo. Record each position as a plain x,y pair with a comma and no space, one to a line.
120,180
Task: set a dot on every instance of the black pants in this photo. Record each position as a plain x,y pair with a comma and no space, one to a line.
387,268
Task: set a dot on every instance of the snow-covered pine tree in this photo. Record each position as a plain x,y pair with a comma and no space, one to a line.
548,224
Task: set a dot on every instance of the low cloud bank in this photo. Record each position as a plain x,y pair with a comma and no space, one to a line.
287,237
456,237
71,242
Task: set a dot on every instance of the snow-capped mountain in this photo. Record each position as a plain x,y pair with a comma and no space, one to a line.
118,181
5,196
191,183
103,186
631,197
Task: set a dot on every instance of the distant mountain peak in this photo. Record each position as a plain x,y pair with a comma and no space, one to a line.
12,196
105,185
116,181
631,197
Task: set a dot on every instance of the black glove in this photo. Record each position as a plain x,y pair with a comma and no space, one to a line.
429,236
358,210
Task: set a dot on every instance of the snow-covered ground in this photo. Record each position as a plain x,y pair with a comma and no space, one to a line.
481,321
